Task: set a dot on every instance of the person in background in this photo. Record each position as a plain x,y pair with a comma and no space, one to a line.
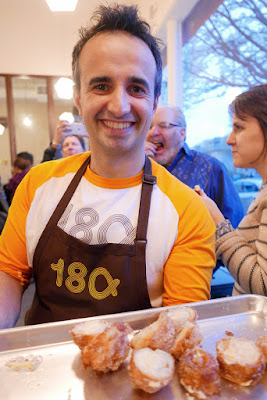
64,144
244,250
165,143
21,166
4,207
108,230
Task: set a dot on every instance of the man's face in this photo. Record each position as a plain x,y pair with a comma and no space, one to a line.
168,140
116,99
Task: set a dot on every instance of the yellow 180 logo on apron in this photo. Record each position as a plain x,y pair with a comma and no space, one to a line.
77,272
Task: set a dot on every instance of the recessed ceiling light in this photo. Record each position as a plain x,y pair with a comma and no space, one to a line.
62,5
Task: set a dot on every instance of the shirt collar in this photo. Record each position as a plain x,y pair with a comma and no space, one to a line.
184,151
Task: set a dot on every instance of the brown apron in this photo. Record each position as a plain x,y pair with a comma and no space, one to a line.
74,279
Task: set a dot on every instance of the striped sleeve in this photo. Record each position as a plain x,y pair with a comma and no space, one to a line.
244,251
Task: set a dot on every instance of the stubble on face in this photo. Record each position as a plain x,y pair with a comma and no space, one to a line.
112,91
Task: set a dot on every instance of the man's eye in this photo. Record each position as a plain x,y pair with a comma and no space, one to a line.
137,89
100,86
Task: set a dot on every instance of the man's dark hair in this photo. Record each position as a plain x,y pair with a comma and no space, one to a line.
118,18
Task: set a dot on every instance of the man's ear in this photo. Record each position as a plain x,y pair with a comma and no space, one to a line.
76,97
183,133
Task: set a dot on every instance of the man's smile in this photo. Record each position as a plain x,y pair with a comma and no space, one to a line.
117,125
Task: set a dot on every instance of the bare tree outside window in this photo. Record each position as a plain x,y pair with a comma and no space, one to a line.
229,50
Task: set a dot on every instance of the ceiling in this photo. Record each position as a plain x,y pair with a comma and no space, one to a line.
34,40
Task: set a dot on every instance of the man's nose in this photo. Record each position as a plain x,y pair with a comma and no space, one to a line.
154,131
119,103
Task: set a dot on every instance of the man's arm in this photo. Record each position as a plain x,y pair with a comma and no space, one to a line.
188,270
10,300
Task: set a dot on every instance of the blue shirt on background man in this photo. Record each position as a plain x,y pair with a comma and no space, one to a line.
195,168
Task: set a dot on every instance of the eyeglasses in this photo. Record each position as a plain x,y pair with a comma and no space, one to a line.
165,125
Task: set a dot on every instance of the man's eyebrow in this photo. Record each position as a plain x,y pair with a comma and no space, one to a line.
141,81
99,79
132,79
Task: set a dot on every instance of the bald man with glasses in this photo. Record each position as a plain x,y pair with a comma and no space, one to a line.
165,143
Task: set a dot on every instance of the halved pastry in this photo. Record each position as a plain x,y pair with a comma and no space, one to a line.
180,315
241,360
188,337
151,370
158,335
104,345
199,373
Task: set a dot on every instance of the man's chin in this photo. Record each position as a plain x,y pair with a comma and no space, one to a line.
159,159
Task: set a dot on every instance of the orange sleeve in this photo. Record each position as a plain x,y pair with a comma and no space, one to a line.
188,270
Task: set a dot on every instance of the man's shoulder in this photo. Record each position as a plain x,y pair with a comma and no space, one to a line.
42,173
60,166
172,186
205,158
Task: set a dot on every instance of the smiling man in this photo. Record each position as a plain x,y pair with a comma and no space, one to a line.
107,231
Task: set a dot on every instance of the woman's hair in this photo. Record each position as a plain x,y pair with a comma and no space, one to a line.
123,19
252,103
24,160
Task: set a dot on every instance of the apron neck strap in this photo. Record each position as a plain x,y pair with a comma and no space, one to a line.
147,185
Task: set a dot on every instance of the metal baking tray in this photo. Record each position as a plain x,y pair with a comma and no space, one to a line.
42,362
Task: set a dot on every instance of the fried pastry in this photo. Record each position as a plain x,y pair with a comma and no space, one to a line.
151,370
180,315
199,373
262,343
241,360
188,337
104,345
158,335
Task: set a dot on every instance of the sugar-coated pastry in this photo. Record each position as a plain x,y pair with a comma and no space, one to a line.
262,343
241,360
188,337
158,335
104,345
180,315
199,373
151,370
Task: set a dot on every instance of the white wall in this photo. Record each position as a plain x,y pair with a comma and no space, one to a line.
34,40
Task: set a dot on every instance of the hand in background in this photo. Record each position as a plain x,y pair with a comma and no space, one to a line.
150,149
215,213
62,129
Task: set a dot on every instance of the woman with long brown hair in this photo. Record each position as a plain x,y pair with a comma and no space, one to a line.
244,250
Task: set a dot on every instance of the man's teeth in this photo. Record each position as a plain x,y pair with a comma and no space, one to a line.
117,125
158,145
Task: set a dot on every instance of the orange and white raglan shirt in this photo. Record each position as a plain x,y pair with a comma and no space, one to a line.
180,253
